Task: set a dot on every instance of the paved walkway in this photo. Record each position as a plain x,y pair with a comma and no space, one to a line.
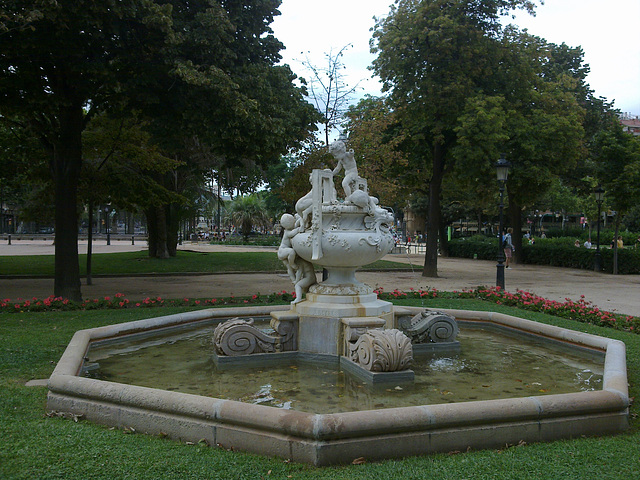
619,293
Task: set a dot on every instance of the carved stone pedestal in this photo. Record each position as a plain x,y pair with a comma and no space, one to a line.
320,317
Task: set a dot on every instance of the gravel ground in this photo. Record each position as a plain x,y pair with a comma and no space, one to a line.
619,293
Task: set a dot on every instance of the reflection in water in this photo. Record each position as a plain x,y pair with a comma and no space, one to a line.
489,366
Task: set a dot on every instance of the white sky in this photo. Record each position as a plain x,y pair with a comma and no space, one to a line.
608,32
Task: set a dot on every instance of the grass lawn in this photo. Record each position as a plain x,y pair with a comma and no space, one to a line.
127,263
35,446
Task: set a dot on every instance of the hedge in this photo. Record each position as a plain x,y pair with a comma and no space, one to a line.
553,253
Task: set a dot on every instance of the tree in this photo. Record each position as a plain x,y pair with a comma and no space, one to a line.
120,167
236,128
63,62
247,212
534,118
375,136
329,91
617,158
200,65
433,56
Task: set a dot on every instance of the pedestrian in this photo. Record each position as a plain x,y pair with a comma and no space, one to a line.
620,242
508,247
587,244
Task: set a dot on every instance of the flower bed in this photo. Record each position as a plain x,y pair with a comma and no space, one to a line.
580,310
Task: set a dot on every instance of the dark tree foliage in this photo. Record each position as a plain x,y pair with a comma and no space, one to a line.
433,55
203,68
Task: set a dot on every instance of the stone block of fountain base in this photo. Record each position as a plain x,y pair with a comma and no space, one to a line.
388,379
343,306
320,319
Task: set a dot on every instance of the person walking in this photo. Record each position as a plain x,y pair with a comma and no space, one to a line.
508,247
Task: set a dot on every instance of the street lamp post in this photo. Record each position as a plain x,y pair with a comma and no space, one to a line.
597,258
502,170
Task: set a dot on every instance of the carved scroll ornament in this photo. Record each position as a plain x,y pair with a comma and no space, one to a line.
383,351
430,327
240,337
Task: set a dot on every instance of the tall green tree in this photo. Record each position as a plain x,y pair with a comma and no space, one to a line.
121,165
236,125
61,63
433,55
534,117
617,164
202,65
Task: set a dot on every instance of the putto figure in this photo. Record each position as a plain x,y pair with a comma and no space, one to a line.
286,253
347,161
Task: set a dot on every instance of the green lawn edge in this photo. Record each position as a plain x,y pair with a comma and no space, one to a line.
139,263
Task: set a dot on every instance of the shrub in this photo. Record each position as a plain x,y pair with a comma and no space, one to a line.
485,248
556,252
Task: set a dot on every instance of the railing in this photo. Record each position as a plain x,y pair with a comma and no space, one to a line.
409,248
119,237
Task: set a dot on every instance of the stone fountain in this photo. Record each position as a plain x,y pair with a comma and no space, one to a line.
343,321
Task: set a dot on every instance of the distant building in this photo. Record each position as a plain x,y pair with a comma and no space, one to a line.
630,123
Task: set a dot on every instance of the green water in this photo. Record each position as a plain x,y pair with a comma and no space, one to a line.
488,366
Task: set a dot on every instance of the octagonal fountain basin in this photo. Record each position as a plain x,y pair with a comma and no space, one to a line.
513,380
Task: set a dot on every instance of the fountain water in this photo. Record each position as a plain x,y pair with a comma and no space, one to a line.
341,320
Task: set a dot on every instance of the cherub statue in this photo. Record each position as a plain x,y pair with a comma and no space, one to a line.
347,161
304,207
305,277
286,253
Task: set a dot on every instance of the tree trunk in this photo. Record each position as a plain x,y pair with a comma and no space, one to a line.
173,226
65,169
90,243
162,250
444,239
152,231
433,222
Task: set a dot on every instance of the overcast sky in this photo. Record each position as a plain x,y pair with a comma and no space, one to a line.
608,32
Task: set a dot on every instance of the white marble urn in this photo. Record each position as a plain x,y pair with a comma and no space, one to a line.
341,235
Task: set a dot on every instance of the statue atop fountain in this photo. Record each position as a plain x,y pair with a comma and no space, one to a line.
340,235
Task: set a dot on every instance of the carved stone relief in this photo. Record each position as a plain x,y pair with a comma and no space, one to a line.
429,327
382,351
240,337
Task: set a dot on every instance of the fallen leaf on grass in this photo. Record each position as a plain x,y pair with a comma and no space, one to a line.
359,461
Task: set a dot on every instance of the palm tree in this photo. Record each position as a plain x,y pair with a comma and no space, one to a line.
246,212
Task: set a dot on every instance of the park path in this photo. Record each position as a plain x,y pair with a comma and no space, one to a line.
619,293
